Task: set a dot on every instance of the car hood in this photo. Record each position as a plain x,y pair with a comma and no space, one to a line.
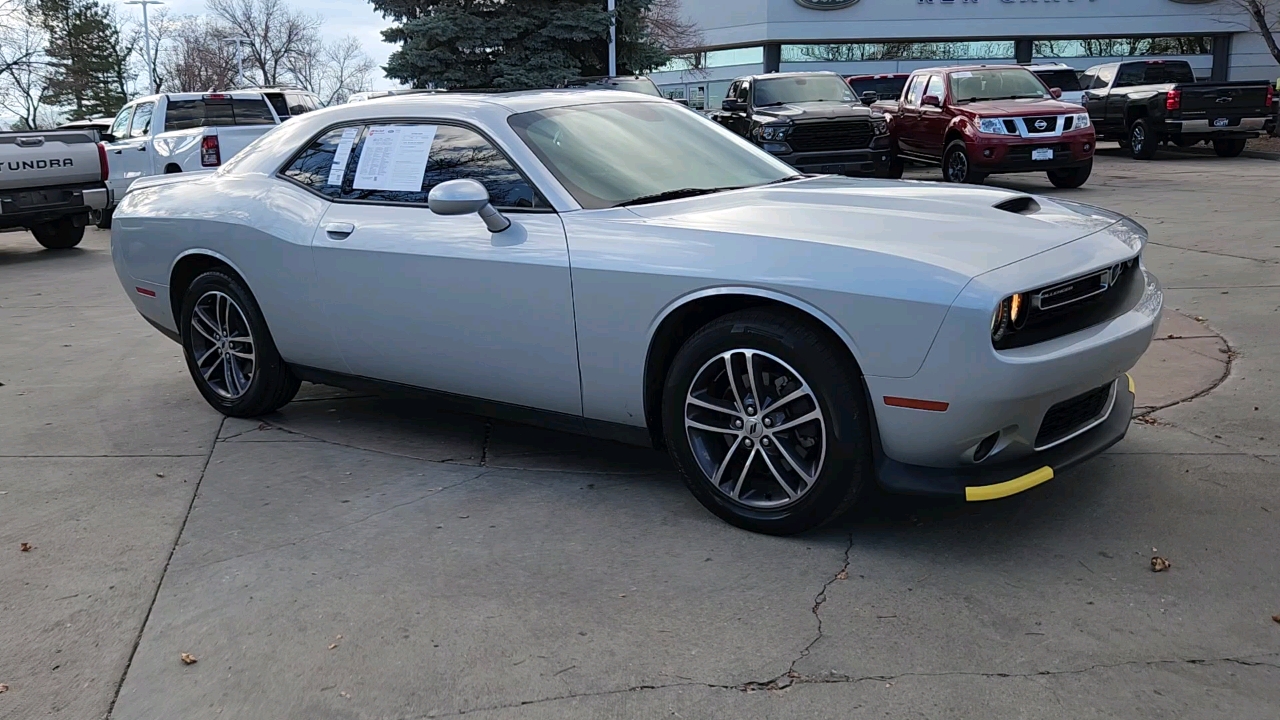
814,111
965,230
1019,107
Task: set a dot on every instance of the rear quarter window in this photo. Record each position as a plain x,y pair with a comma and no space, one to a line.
1064,80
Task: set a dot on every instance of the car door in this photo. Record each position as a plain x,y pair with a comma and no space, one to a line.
1128,75
116,179
933,120
1096,96
910,137
441,302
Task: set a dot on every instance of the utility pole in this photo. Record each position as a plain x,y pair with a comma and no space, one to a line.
613,38
146,39
239,43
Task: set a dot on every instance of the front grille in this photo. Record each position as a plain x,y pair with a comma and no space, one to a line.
1069,416
827,135
1050,125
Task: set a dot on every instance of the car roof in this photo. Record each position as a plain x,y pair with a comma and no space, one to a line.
969,68
234,94
880,76
764,76
517,101
1047,66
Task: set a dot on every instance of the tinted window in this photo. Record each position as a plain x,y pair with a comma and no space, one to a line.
278,104
315,164
801,89
915,91
209,112
121,122
1087,78
884,87
1064,80
297,104
1105,75
141,124
1168,72
935,87
744,90
456,154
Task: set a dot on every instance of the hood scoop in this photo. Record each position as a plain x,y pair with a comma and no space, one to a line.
1019,205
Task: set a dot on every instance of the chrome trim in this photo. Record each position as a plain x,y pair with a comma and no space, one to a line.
1037,296
1106,413
1023,131
1206,126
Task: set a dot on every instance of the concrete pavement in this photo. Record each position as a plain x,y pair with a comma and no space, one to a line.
359,557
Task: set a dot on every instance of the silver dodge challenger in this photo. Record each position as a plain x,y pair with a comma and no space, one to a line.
617,265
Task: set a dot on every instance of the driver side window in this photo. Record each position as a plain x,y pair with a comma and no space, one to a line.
121,123
936,88
744,89
915,91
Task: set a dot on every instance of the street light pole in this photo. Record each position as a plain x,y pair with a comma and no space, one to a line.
613,38
237,41
146,39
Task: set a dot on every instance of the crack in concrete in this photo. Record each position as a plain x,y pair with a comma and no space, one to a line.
1228,364
151,606
1213,252
1248,660
344,526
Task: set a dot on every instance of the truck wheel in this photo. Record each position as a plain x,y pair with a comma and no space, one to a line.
1071,177
1228,148
104,218
59,234
1143,143
956,167
893,171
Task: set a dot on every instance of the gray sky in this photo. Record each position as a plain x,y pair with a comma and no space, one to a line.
341,17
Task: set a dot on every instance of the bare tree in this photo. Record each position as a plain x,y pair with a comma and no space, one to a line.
668,26
1265,15
24,68
275,32
332,70
196,57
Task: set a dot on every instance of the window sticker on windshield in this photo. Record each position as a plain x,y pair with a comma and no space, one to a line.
341,155
962,74
394,157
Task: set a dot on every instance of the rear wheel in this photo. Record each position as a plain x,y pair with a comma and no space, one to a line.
229,349
766,418
1071,177
956,167
59,234
1143,142
1228,148
104,218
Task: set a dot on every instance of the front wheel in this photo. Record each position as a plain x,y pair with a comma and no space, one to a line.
892,171
1228,148
1071,177
956,167
1143,142
59,235
765,416
229,350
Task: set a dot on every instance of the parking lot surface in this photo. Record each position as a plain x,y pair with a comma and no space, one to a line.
364,557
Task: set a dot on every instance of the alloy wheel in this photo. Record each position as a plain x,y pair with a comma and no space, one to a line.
957,167
1137,138
755,428
222,345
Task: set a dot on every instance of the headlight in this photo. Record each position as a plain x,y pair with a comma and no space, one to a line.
992,126
1010,314
773,132
768,133
1081,121
879,125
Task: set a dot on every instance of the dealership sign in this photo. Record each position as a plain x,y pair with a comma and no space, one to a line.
826,4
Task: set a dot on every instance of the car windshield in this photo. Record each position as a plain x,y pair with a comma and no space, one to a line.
1064,80
886,88
1003,84
802,89
612,154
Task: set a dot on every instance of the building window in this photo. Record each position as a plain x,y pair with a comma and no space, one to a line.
736,56
1124,47
856,52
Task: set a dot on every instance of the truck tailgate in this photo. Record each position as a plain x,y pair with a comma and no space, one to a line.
44,159
1224,100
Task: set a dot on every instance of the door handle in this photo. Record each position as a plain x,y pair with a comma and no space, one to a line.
339,230
117,152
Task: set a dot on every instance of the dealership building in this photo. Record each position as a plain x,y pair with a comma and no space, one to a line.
743,37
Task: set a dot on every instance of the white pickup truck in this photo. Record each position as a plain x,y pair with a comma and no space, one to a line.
185,132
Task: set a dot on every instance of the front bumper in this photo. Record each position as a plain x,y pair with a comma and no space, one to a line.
979,482
1011,154
865,161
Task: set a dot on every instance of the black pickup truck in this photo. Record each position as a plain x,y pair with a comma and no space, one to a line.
1144,103
811,121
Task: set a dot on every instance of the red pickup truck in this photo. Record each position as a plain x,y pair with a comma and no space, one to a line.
979,120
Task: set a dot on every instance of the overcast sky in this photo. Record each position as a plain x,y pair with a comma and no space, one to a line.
341,17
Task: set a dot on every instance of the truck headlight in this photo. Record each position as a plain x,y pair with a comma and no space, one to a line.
1081,121
774,132
992,126
879,125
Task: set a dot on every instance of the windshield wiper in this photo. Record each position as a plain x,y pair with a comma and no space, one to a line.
772,104
676,195
788,178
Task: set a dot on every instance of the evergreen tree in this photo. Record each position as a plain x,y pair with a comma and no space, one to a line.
513,44
88,56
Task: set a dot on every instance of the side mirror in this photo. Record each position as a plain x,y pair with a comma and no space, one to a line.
464,197
932,101
870,96
1055,92
106,137
731,105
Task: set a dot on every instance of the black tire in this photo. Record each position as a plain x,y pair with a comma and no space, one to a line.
1143,142
893,171
784,345
1071,177
1228,148
956,167
104,218
59,235
270,384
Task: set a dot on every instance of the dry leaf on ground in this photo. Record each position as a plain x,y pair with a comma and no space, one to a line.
842,575
4,688
26,547
1276,618
1159,564
333,645
188,659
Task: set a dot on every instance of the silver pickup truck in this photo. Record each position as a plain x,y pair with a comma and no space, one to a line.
50,183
